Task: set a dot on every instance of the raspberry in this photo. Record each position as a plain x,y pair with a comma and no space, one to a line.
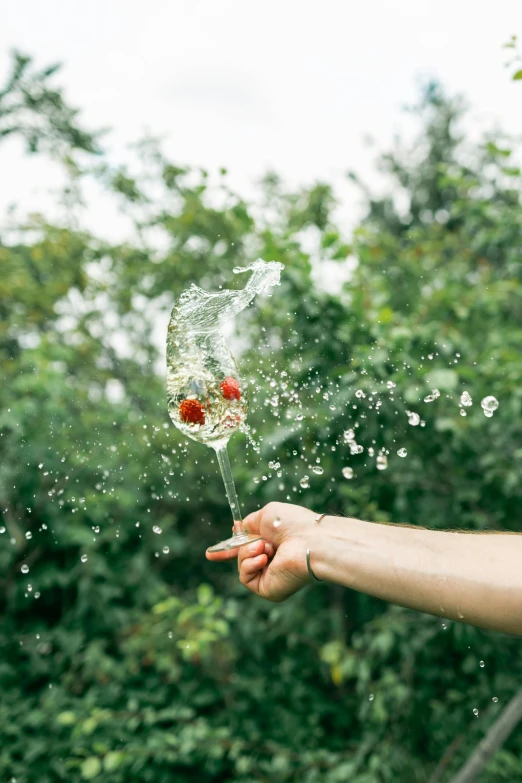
192,412
230,389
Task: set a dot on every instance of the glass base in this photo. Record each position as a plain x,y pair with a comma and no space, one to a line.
238,539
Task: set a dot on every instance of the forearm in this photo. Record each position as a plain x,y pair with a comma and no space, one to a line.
473,578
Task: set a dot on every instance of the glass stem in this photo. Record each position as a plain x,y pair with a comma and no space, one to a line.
226,472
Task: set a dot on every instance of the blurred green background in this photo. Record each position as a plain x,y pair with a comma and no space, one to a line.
125,655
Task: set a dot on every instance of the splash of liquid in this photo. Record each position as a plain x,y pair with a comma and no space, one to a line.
207,399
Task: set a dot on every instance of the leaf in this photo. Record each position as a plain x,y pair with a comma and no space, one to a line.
66,718
91,767
205,594
112,760
517,76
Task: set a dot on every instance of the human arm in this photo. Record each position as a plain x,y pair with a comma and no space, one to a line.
470,578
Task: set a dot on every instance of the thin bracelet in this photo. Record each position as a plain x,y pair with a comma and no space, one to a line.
317,519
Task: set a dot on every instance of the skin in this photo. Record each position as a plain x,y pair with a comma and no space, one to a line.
475,579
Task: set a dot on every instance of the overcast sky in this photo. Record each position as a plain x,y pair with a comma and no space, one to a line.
285,84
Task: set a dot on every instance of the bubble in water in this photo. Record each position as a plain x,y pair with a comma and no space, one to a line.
495,699
348,435
382,461
84,558
318,470
299,417
157,530
355,448
25,569
489,405
28,535
402,453
276,522
390,384
347,473
413,418
371,451
481,664
465,399
463,412
435,394
304,482
371,697
475,712
166,550
359,394
2,529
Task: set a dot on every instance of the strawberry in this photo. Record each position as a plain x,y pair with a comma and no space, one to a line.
192,412
230,389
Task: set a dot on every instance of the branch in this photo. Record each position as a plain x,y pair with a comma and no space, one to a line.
496,736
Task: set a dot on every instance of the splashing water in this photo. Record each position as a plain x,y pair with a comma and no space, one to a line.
465,399
435,394
207,399
489,405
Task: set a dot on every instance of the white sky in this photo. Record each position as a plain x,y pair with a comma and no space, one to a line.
287,84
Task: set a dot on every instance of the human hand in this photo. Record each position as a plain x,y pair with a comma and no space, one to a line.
275,566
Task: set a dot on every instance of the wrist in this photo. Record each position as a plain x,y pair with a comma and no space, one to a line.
335,544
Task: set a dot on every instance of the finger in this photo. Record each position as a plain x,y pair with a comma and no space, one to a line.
253,564
251,571
250,550
253,521
269,550
229,554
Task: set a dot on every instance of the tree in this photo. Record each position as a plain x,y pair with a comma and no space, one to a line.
124,655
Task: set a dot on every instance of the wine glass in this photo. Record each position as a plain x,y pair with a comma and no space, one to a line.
207,402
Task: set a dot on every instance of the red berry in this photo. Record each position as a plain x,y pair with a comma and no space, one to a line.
192,412
230,389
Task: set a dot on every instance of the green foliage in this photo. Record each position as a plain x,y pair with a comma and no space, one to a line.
32,109
143,662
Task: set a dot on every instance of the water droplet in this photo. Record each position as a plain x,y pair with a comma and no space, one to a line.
489,405
157,530
25,569
347,473
402,453
304,482
413,418
465,399
84,558
435,394
382,462
318,470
